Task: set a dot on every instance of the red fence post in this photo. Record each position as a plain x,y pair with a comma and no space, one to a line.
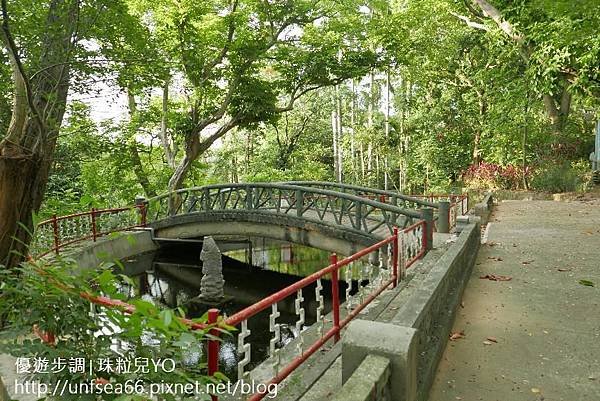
213,348
94,228
395,256
55,231
335,296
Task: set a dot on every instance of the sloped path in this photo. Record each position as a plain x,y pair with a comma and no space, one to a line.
537,336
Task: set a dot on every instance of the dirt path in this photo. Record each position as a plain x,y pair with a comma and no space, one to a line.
537,336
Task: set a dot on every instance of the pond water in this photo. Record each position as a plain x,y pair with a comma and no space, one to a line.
170,277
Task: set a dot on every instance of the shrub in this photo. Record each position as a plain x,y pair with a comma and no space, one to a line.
494,176
558,178
46,316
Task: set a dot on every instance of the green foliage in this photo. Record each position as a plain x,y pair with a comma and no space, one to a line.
49,298
562,177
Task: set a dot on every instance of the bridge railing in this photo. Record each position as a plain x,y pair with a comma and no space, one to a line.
58,232
385,265
315,204
459,204
380,195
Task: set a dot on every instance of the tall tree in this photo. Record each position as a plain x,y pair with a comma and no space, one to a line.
247,62
38,106
48,44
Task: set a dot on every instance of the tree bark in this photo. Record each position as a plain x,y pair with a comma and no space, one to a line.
136,161
27,150
353,133
164,122
558,110
479,130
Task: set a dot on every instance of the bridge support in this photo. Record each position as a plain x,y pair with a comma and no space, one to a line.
443,224
427,215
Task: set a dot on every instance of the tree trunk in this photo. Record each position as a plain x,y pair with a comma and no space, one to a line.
558,110
479,130
164,122
136,161
387,129
352,133
370,117
340,131
334,135
138,170
27,151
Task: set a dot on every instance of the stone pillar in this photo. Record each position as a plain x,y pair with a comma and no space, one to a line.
140,203
427,214
443,223
396,343
212,283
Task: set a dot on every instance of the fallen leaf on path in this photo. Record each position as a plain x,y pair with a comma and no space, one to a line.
496,258
487,343
587,283
492,243
564,269
492,339
527,262
495,277
536,390
457,335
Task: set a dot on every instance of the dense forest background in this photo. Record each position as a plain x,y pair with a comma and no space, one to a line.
415,96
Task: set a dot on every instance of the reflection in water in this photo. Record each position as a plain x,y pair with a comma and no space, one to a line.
171,277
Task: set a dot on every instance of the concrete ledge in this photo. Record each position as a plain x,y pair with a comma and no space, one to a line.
484,208
415,338
431,308
396,343
370,381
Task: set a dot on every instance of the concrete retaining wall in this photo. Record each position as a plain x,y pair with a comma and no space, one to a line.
118,246
370,381
415,338
432,308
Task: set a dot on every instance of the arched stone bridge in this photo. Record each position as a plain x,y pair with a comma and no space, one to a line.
336,217
315,214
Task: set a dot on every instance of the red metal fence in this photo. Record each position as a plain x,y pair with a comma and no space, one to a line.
58,232
391,257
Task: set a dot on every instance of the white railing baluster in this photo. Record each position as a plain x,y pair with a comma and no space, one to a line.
348,277
300,322
276,330
320,308
243,349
